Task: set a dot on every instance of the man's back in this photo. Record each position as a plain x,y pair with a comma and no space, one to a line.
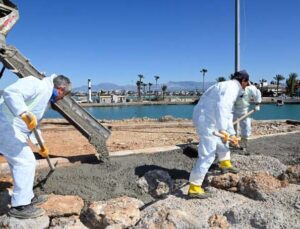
27,94
216,104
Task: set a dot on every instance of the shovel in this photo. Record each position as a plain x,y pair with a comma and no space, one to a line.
52,167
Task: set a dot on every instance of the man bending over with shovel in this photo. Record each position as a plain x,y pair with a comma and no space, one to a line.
212,118
22,107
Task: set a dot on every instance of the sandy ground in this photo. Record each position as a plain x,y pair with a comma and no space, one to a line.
64,140
125,135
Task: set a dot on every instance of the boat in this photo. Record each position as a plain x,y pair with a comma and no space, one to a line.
279,102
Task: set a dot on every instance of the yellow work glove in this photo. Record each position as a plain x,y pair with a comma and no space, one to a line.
30,120
44,152
234,140
225,137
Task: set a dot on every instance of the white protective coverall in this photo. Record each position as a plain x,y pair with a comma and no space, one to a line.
26,94
241,107
213,113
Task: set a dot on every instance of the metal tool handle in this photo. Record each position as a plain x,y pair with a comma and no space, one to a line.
243,117
50,163
39,140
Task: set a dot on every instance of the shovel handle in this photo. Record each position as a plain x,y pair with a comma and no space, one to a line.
50,163
39,140
243,117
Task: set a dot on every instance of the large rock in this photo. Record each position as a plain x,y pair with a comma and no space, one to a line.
226,181
122,211
14,223
293,174
157,183
58,205
5,182
262,215
5,197
258,186
164,217
72,222
218,221
166,118
259,163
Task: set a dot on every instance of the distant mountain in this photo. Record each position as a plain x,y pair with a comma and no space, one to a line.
172,86
187,85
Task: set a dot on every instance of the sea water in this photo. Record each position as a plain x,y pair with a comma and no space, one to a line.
267,111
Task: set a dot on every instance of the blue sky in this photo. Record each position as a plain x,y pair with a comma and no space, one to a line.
115,40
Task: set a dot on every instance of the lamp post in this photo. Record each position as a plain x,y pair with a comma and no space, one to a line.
203,71
156,78
237,35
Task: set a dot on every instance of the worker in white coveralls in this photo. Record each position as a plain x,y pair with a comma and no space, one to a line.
212,114
241,107
22,106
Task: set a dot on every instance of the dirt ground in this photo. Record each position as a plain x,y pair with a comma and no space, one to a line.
64,140
125,135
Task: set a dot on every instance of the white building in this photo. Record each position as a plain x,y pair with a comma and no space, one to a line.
118,98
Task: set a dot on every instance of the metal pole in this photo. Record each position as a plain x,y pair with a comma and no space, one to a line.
203,83
237,35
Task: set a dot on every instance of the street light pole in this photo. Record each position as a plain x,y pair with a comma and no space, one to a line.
203,74
237,35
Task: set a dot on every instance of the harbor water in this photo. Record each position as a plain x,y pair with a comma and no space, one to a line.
267,112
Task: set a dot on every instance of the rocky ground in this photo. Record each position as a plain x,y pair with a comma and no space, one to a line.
149,191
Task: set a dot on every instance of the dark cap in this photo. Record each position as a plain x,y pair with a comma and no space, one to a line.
241,76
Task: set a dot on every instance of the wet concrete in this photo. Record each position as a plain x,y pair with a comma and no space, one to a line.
99,142
87,125
118,176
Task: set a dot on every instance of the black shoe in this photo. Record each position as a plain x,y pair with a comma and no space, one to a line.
26,212
37,200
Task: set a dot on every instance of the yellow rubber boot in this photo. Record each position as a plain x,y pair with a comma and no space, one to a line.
226,167
195,191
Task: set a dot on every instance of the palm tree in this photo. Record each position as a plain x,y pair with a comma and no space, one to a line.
203,71
156,78
149,84
291,83
164,89
262,81
140,84
278,78
144,85
220,79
